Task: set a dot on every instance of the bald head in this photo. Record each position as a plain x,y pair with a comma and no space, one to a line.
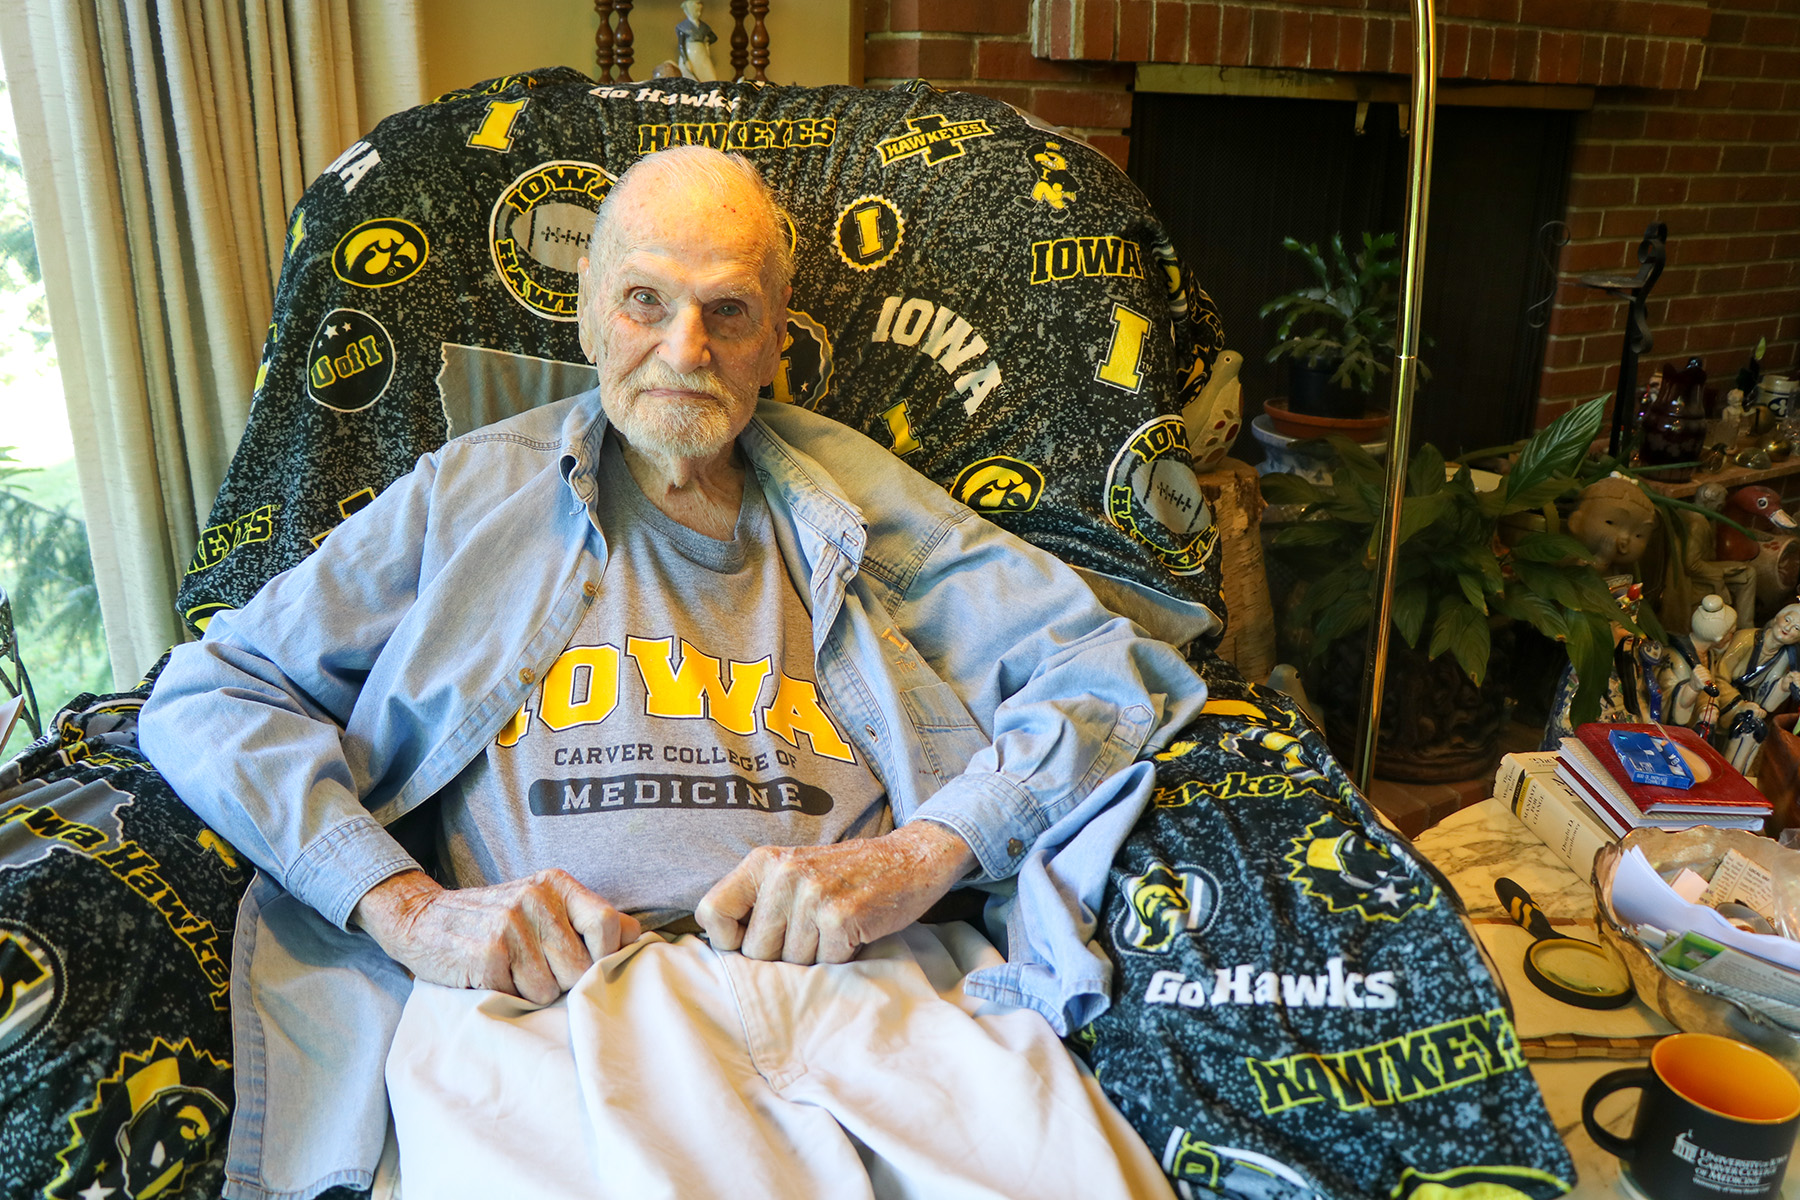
695,185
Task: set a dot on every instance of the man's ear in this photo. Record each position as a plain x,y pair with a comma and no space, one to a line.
584,317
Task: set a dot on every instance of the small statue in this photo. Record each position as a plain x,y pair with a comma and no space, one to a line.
1748,506
1631,694
1697,572
1691,673
693,43
1764,667
1614,521
1724,429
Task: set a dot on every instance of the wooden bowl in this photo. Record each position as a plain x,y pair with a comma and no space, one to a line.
1371,426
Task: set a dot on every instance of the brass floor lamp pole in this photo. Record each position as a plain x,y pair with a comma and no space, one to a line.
1406,367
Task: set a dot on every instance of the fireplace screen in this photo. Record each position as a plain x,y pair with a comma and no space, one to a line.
1233,175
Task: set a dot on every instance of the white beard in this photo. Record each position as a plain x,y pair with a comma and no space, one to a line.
686,428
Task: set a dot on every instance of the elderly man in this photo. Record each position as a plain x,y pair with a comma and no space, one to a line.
670,660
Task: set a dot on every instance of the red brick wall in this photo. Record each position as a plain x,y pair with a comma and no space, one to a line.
1639,43
1696,123
1721,165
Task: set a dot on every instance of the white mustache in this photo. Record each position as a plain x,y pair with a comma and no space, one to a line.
654,374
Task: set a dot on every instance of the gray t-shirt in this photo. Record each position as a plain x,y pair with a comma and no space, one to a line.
681,728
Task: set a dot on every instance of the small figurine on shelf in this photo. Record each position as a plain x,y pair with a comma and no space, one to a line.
1754,507
1675,421
1614,520
1764,667
1750,374
693,43
1725,429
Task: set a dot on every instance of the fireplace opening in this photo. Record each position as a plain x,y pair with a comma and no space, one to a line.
1233,175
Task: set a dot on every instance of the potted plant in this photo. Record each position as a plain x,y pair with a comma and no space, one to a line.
1338,335
1455,582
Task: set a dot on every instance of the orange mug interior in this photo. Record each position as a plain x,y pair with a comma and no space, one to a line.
1726,1077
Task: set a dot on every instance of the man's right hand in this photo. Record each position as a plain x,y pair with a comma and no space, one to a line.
532,938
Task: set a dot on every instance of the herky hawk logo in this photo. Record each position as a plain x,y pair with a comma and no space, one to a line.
934,136
380,253
1165,901
999,484
1335,863
156,1117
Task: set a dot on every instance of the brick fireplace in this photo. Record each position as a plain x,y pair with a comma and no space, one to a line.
1695,120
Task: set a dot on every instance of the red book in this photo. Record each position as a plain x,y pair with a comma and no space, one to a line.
1724,790
1618,814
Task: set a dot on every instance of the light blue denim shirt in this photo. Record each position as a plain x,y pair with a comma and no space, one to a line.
977,676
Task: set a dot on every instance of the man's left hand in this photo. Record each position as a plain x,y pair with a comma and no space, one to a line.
821,904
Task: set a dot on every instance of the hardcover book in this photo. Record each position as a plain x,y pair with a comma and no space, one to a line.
1718,786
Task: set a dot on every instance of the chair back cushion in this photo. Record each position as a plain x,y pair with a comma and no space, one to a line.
983,294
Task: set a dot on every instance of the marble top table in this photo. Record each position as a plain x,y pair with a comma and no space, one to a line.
1473,848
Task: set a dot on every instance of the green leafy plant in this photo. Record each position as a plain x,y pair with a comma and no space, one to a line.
1452,571
1348,317
45,567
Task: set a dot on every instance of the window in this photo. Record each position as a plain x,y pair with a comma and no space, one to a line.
44,563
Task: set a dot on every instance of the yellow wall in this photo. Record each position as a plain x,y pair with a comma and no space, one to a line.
810,41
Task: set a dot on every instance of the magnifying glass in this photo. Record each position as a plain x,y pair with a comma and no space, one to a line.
1564,968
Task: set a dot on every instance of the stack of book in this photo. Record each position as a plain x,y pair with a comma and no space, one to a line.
1581,797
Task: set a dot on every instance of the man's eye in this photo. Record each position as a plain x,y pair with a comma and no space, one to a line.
730,309
643,296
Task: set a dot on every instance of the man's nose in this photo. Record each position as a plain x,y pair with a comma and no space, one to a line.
686,347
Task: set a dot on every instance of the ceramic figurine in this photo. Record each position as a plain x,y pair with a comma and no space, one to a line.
1749,506
1614,521
1764,668
1215,416
693,43
1725,429
1631,694
1696,572
1692,681
1675,421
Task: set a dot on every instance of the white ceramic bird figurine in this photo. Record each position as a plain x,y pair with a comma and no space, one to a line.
1283,677
1214,417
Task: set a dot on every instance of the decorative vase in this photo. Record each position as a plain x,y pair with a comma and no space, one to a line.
1311,392
1675,420
1437,726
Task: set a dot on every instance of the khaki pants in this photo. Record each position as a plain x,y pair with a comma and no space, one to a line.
671,1070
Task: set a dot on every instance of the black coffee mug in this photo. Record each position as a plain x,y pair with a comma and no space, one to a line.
1716,1120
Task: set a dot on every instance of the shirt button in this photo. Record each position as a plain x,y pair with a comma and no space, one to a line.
870,730
527,675
590,589
1015,847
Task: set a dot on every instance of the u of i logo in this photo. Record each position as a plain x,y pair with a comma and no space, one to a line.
582,688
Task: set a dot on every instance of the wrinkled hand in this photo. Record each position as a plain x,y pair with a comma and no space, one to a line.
808,904
532,938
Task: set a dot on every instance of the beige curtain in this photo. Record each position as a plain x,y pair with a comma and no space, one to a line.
165,142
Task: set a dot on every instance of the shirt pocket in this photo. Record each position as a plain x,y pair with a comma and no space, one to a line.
948,735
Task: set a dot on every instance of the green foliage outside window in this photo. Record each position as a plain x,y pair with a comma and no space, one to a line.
44,564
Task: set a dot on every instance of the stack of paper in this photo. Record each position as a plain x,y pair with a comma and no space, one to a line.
1761,970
